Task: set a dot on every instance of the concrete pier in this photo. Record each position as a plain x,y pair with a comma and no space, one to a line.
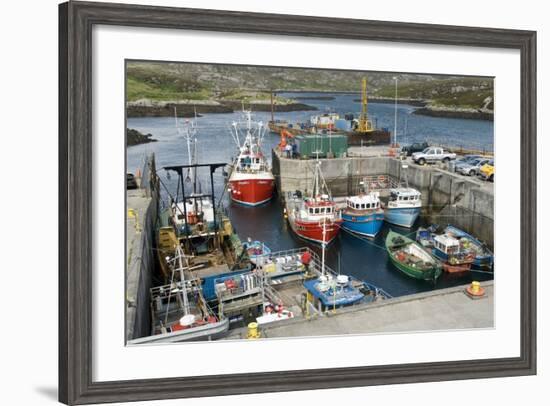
141,206
444,309
447,197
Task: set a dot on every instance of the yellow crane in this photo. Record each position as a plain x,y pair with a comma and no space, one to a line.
364,124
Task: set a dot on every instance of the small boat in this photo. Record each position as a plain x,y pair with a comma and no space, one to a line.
251,181
425,235
484,258
314,218
332,290
403,207
411,258
363,214
455,257
179,310
255,250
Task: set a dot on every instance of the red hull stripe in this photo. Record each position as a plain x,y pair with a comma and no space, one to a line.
314,231
252,191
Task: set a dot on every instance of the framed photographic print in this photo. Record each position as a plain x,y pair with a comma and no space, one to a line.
261,202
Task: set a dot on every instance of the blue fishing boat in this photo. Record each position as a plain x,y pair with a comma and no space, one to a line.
484,258
403,207
363,214
334,291
256,249
452,252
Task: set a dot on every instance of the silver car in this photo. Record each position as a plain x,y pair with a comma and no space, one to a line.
465,160
472,168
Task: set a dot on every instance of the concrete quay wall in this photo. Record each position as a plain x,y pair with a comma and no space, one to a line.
447,198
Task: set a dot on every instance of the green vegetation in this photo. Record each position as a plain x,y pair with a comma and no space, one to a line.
173,81
452,92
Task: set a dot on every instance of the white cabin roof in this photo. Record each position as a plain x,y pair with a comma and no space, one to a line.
447,240
369,198
402,191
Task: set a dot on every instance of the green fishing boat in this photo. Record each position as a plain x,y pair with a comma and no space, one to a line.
411,259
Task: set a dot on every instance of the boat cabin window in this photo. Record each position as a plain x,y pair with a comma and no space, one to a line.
310,211
329,210
180,216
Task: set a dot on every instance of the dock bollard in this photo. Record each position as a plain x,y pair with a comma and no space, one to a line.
253,332
475,291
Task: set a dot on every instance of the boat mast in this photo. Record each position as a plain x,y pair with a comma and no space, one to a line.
395,116
272,113
317,170
180,268
323,245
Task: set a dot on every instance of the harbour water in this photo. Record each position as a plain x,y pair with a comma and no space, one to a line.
362,258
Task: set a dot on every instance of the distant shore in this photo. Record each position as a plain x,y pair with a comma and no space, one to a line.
190,108
456,113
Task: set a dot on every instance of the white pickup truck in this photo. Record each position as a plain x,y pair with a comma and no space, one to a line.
432,154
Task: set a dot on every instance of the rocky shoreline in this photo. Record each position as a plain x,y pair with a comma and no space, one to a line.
188,109
134,137
456,113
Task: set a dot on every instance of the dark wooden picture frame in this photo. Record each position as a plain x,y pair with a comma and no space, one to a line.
76,20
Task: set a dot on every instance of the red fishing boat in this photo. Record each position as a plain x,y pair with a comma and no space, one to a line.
251,182
314,218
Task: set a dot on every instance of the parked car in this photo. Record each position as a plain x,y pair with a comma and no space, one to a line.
433,154
131,181
487,171
408,150
472,168
465,160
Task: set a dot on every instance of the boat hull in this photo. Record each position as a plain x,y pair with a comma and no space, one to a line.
252,192
430,274
403,217
368,225
456,268
313,230
349,297
484,261
415,273
205,332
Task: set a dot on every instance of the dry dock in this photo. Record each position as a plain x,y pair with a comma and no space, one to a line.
445,309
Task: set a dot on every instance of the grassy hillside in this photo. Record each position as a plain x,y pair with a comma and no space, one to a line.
172,81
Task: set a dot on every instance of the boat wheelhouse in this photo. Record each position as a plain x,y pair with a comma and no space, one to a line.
251,182
403,207
484,258
315,218
324,121
363,214
200,216
455,257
